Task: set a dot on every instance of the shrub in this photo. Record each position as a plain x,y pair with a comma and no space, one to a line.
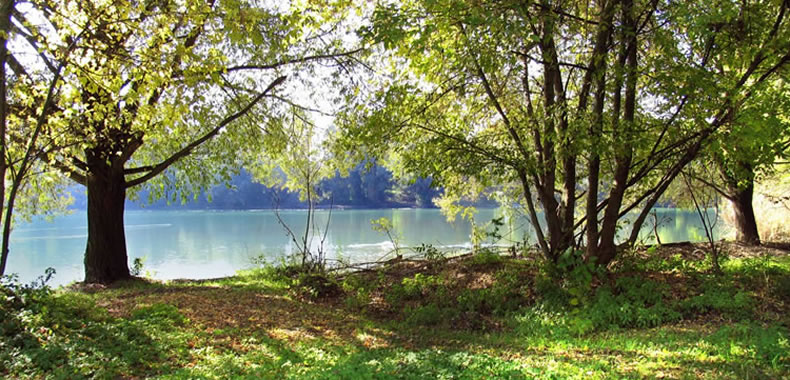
430,253
357,291
580,308
635,302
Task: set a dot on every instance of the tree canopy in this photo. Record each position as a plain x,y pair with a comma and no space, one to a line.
580,113
560,104
141,87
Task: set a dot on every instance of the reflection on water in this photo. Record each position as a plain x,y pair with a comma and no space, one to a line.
204,244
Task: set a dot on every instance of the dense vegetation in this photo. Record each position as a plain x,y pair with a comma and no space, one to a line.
576,114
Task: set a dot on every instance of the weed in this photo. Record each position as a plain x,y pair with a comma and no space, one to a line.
431,253
138,267
315,285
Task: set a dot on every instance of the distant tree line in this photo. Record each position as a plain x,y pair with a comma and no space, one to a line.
373,187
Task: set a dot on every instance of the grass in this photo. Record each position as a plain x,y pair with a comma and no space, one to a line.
467,318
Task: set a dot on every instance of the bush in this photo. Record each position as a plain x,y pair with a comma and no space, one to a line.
635,302
427,288
581,308
357,291
430,253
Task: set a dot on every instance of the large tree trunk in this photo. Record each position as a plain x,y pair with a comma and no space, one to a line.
745,222
105,256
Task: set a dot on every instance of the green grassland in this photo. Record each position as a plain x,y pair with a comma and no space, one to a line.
664,314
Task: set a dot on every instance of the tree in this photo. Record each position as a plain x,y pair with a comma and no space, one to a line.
22,119
303,171
156,85
759,135
555,102
744,42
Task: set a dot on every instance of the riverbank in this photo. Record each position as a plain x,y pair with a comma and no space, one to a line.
660,313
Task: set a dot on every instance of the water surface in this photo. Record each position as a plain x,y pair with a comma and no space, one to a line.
206,244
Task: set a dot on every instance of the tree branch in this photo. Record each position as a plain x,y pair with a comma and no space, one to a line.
31,40
495,101
707,183
159,168
292,61
71,173
542,62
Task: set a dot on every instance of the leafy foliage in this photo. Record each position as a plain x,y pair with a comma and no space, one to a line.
548,104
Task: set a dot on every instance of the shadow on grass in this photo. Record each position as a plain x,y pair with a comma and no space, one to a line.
65,337
248,326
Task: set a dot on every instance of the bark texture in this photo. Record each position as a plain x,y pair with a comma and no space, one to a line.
106,260
745,221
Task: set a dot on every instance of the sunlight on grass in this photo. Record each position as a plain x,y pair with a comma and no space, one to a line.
252,326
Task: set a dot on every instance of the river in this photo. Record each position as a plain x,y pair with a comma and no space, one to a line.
207,244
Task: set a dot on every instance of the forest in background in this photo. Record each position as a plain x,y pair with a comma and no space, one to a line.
363,187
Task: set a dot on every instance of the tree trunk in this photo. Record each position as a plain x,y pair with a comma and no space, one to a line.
607,249
105,255
745,222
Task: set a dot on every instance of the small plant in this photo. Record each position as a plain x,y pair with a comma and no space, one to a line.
722,297
315,285
703,201
384,225
430,252
633,302
358,292
505,295
137,266
427,315
577,274
420,285
488,233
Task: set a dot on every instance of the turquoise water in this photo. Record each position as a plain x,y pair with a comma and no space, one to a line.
206,244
